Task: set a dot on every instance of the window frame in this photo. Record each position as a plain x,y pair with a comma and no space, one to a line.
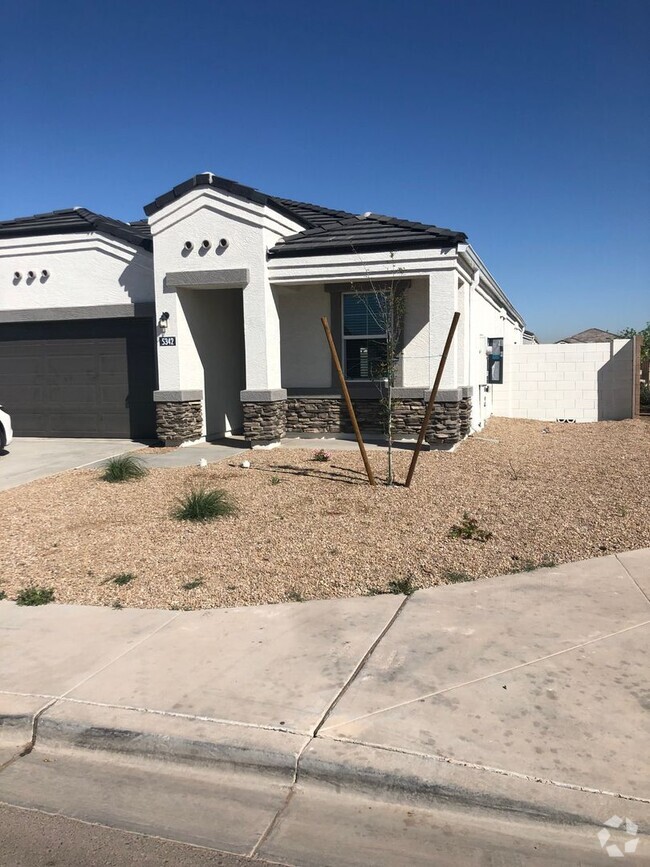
345,337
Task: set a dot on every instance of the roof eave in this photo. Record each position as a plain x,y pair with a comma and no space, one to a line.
279,251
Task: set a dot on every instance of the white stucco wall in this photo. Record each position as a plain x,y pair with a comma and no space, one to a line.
416,364
85,269
216,320
306,360
580,382
207,213
487,319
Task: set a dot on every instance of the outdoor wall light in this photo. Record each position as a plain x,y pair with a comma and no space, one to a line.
163,322
18,275
188,246
223,243
31,275
206,244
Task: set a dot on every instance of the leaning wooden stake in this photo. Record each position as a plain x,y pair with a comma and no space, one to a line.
432,399
348,402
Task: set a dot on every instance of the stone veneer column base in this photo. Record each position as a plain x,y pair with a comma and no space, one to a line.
316,414
264,422
179,421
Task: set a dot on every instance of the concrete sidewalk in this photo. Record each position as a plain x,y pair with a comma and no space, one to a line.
511,708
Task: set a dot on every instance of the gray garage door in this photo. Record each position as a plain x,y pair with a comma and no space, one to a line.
87,378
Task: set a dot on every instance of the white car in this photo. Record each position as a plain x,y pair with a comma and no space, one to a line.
6,433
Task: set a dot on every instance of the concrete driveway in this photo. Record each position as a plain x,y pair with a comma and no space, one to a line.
30,458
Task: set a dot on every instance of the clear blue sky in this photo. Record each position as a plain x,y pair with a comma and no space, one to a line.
524,124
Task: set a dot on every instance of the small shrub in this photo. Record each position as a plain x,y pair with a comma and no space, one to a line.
275,480
117,605
405,585
203,505
322,456
123,578
522,565
452,577
124,468
192,585
469,529
32,595
3,595
295,595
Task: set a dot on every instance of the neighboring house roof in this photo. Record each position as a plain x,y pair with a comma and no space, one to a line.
590,335
326,230
74,220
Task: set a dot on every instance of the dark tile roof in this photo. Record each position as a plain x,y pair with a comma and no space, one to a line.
590,335
368,232
73,220
326,230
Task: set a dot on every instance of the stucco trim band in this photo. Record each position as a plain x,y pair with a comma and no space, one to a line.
225,278
177,396
97,311
263,395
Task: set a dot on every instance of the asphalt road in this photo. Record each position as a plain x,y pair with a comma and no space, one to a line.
32,839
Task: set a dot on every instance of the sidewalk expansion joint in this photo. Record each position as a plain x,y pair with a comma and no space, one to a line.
296,774
485,677
125,652
185,716
530,778
633,579
31,743
346,686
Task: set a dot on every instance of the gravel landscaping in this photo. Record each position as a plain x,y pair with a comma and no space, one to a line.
547,493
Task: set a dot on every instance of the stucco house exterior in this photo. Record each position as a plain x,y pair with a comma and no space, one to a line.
204,320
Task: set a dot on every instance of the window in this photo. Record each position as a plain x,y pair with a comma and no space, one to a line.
364,336
495,360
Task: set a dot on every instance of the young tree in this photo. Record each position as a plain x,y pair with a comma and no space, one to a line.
385,304
645,343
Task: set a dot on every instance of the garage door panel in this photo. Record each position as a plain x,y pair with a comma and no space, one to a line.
79,378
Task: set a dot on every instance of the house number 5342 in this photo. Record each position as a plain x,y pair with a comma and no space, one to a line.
168,341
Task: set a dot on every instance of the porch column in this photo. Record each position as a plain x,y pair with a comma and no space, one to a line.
264,401
179,399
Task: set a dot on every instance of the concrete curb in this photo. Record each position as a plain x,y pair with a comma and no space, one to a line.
427,781
287,757
171,738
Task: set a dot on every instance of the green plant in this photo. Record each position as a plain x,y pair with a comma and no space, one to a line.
295,595
321,455
203,505
645,394
32,595
452,577
192,585
275,480
519,565
124,468
123,578
405,585
3,595
469,529
117,605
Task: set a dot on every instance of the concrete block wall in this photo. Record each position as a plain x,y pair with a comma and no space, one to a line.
581,382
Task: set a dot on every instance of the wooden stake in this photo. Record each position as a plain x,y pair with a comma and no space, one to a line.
348,402
432,399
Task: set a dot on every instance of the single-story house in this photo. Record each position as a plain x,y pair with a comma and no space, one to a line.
205,320
590,335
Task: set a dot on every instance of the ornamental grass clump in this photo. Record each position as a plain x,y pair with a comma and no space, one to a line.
203,505
124,468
